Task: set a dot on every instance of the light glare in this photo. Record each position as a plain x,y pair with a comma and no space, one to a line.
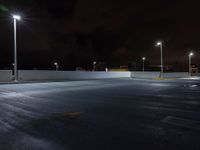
159,43
191,54
16,17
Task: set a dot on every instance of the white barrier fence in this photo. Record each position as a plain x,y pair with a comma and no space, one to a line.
150,75
5,75
145,75
33,75
62,75
176,75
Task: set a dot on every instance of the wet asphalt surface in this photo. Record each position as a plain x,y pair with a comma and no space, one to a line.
111,114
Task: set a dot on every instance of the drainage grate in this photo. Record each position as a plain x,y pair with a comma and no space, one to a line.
180,122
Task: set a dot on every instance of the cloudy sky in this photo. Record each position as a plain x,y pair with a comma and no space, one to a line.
117,32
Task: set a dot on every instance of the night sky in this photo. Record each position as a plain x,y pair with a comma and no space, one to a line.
115,32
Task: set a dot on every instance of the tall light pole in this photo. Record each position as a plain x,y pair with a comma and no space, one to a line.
56,65
161,57
15,17
143,60
190,60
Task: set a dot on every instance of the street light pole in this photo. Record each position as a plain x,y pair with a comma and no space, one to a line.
143,60
94,65
56,65
161,57
190,60
15,17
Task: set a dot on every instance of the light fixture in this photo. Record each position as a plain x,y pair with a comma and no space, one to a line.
159,43
191,54
17,17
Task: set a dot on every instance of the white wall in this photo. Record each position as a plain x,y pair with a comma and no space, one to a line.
5,75
176,75
145,75
150,75
31,75
62,75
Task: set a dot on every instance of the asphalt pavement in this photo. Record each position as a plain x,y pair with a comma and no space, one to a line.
110,114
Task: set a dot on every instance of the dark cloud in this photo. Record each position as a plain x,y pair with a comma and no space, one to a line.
116,32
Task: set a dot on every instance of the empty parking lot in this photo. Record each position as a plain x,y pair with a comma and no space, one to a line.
110,114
